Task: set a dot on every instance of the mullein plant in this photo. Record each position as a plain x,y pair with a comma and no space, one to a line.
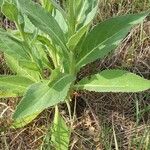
58,39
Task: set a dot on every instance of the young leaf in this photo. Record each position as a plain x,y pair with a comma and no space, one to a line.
105,37
10,11
40,96
60,133
44,21
114,81
12,86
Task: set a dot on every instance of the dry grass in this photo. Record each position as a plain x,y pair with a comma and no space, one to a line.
103,121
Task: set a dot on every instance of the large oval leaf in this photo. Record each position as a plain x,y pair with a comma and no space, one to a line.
114,81
105,37
40,96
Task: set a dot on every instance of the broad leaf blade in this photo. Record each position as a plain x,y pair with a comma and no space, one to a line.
114,81
60,133
41,96
43,20
105,37
12,86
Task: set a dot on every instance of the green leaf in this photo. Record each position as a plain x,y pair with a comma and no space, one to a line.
28,27
74,39
1,2
47,5
85,11
12,86
58,7
12,46
114,81
60,133
40,96
55,75
52,50
44,21
25,121
15,66
29,65
10,11
105,37
61,20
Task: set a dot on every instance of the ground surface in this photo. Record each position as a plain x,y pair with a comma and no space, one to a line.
103,121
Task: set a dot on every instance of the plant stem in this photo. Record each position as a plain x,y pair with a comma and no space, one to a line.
69,108
56,112
74,111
